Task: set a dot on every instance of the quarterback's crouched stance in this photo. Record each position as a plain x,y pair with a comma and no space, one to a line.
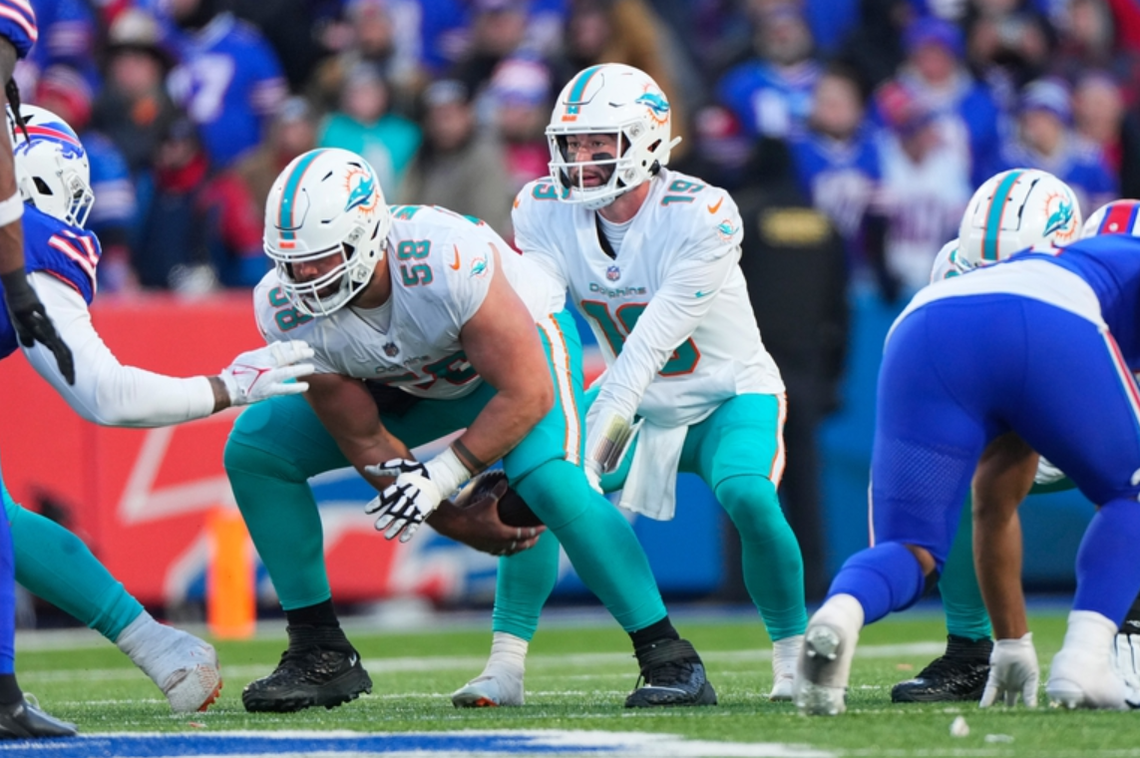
431,319
650,257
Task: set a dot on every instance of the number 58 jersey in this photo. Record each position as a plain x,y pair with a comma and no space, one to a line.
441,266
671,310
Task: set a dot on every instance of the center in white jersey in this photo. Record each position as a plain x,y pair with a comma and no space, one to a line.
677,275
441,264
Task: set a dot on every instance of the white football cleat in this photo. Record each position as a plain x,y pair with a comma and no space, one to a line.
825,662
186,671
491,689
1084,674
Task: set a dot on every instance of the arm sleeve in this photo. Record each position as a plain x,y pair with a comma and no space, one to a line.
673,314
105,391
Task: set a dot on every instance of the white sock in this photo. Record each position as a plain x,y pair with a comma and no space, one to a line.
785,653
842,611
508,652
1090,631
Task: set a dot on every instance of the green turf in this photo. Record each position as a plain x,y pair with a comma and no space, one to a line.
577,678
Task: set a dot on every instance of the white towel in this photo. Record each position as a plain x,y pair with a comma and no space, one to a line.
651,487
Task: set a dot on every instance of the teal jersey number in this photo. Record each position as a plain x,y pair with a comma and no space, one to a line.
419,273
288,317
684,359
681,186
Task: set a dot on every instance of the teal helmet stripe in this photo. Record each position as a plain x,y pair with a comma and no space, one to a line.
579,89
993,215
285,212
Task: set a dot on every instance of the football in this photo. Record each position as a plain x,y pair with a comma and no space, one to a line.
513,510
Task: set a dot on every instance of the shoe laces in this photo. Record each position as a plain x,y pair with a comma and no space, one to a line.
667,674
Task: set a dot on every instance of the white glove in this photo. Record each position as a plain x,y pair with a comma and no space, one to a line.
418,490
1013,671
594,476
406,502
263,373
1127,659
608,438
1047,473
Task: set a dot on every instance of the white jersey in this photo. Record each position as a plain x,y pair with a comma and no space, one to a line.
441,265
677,278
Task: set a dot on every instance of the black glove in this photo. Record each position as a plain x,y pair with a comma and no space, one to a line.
31,321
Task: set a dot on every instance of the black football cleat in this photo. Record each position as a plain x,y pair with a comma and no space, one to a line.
959,674
25,721
307,676
673,675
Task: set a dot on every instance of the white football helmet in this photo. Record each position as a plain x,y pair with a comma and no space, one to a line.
1117,217
52,171
326,202
1015,210
611,98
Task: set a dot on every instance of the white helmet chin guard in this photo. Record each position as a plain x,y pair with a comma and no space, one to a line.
52,171
326,202
1015,210
616,99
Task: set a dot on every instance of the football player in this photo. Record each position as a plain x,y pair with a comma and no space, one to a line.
31,323
1034,208
650,257
453,330
61,259
961,673
977,375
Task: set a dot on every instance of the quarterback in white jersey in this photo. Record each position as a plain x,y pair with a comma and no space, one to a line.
650,257
454,332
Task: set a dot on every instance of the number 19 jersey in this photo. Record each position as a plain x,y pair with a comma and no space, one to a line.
671,310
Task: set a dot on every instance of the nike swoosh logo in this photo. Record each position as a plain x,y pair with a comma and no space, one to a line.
352,660
715,208
455,265
703,294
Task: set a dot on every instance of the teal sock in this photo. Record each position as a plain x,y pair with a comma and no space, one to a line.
961,598
524,583
55,565
598,540
772,564
284,523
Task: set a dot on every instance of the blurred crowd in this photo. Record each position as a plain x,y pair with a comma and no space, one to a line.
881,115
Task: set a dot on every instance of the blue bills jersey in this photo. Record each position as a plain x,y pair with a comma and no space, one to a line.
18,25
68,253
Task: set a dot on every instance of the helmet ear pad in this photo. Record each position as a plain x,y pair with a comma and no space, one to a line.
326,202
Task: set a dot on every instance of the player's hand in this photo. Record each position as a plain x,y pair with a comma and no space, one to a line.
594,475
478,525
32,323
266,372
406,502
1013,672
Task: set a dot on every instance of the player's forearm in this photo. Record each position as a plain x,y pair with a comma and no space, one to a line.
105,391
501,425
11,232
997,559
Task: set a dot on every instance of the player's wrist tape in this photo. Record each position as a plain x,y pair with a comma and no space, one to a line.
609,440
11,209
447,472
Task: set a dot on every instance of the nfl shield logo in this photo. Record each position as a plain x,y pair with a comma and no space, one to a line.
391,349
613,273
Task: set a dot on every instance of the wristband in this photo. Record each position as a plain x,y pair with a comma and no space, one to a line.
447,472
11,209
